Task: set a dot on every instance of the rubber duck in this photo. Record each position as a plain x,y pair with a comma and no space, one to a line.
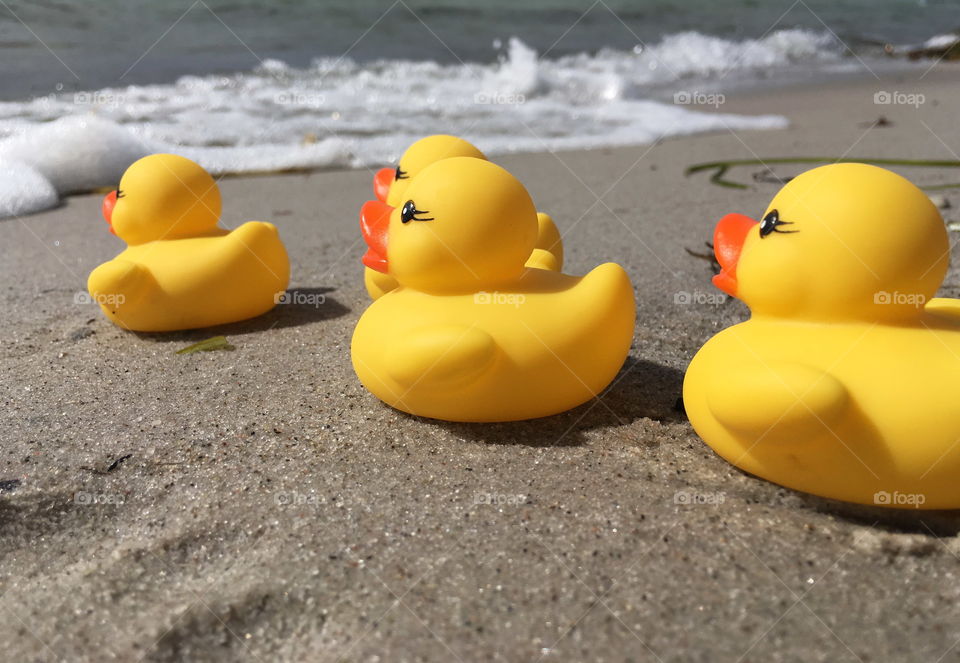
844,381
471,333
390,185
180,270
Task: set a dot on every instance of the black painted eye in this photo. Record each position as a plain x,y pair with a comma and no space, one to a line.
411,213
119,194
401,174
771,224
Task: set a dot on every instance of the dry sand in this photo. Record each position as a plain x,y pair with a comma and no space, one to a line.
260,505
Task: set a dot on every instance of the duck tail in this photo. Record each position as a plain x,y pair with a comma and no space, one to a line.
549,240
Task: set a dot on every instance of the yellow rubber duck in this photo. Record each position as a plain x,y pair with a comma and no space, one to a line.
180,270
471,333
390,186
845,381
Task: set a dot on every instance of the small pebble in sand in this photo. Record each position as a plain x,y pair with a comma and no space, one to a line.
8,485
941,201
81,333
872,541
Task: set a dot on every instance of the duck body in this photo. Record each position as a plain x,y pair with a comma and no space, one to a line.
180,269
851,411
845,380
548,344
196,282
471,333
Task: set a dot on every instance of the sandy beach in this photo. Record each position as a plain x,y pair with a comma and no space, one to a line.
258,504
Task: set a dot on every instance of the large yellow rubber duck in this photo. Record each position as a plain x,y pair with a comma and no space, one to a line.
390,186
471,333
845,381
180,269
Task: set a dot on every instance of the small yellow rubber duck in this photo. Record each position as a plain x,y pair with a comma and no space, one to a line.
471,333
390,186
180,270
845,381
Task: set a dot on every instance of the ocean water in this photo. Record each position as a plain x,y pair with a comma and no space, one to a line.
242,86
100,43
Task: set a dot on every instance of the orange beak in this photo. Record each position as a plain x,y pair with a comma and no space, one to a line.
728,239
375,225
381,183
109,202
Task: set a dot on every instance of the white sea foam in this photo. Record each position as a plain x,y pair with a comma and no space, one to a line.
23,190
942,41
338,113
75,153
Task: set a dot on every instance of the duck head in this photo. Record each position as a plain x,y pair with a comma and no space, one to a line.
465,225
390,184
163,196
840,242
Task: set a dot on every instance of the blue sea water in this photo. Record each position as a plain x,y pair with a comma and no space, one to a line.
89,44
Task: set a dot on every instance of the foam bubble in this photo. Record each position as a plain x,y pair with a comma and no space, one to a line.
691,53
23,190
76,153
268,158
942,41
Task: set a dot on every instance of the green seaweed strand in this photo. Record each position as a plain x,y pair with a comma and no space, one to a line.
720,168
215,343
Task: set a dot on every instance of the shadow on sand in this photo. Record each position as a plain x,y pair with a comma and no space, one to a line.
641,389
301,306
942,523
